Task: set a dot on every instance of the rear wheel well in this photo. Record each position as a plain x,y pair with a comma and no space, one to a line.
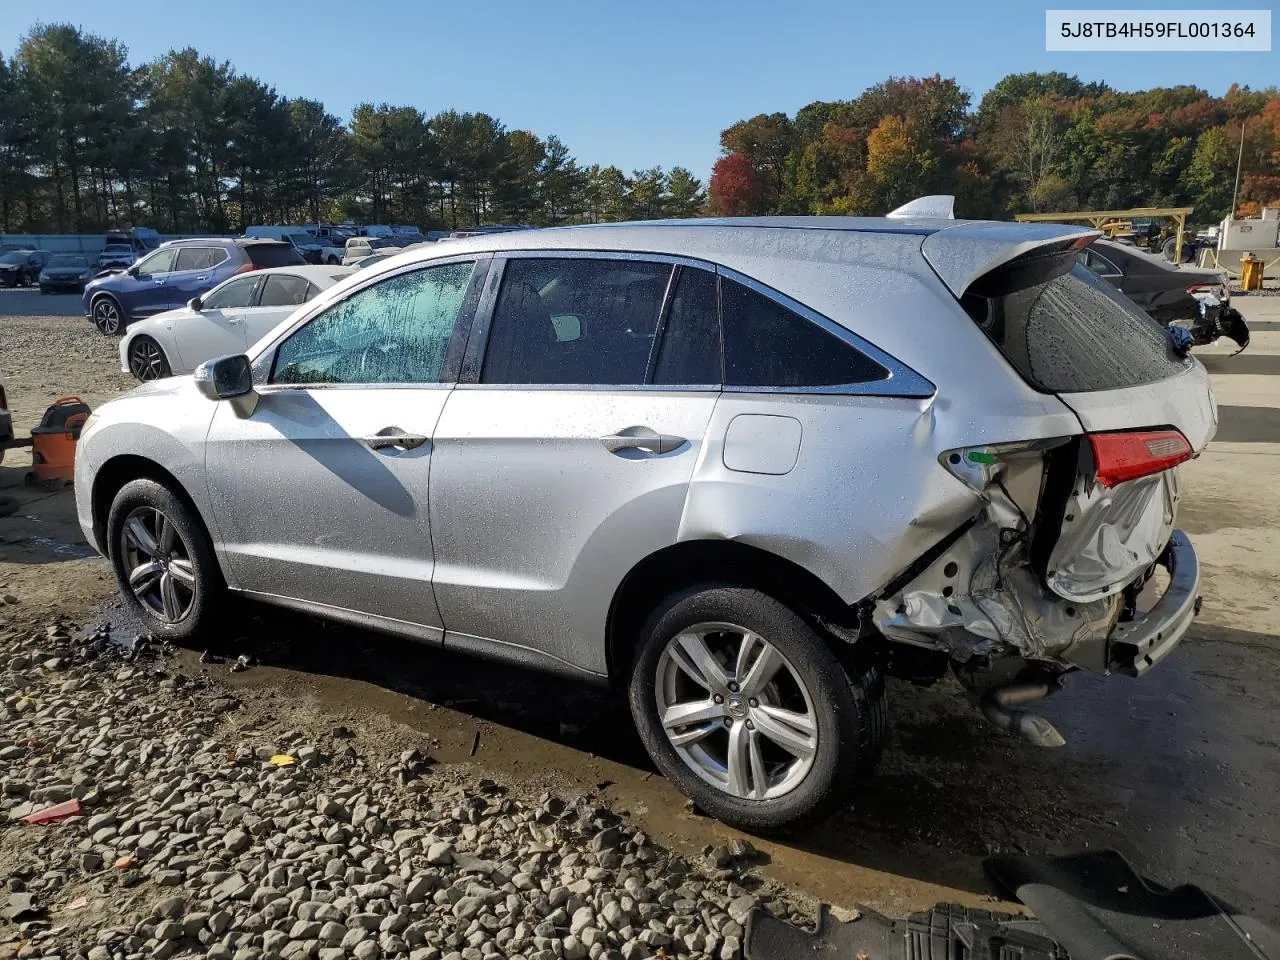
118,471
719,562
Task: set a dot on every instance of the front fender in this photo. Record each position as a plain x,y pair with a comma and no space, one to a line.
163,423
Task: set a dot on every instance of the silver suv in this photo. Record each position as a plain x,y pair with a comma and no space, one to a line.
743,469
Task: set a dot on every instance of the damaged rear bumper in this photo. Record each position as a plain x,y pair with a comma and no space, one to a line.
1139,644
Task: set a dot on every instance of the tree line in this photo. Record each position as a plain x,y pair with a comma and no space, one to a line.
187,144
1036,142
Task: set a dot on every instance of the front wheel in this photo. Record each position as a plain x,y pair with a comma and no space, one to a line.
147,360
163,561
107,316
742,704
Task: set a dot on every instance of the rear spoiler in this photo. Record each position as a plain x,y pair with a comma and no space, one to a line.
1001,255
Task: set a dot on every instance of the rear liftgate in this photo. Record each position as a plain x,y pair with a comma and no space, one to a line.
1046,577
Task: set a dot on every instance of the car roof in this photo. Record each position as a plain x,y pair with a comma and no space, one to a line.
225,241
958,251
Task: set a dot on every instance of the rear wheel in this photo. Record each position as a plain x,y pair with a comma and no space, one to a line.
107,316
742,704
163,561
147,360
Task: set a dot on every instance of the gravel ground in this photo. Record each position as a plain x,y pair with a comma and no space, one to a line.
87,364
193,840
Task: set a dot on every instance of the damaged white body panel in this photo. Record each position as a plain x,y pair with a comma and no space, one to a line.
1110,535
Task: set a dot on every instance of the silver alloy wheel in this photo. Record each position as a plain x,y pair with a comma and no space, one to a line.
106,315
146,361
736,711
161,574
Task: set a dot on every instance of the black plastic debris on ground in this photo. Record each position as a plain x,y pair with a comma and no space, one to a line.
1089,906
947,932
1097,905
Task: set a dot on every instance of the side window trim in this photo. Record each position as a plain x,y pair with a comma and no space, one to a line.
482,322
660,331
264,364
901,382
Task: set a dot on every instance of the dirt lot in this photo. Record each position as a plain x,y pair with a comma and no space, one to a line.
1179,770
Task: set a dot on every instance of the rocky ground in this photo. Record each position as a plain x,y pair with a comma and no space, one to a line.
208,829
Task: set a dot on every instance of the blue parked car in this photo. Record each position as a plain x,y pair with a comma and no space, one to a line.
175,273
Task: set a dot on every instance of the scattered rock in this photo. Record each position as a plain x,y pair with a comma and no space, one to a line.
232,838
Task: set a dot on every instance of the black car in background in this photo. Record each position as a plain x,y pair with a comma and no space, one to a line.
19,268
1198,300
66,271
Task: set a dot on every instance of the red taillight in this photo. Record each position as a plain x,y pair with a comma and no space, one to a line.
246,267
1200,288
1127,456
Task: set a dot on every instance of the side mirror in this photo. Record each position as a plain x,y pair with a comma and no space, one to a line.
195,303
132,271
224,378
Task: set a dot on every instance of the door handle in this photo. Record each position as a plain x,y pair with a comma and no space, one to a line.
642,439
394,438
202,278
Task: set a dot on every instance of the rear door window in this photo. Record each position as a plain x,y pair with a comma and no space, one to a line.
1076,333
283,290
768,345
689,354
192,258
274,255
575,321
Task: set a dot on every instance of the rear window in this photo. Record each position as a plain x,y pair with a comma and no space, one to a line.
1076,333
274,255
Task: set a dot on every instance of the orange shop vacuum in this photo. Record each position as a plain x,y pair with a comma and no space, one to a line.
53,443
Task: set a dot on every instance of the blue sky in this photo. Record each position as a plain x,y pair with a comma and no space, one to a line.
636,84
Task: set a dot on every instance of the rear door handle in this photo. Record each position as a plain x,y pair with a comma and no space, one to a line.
647,441
394,438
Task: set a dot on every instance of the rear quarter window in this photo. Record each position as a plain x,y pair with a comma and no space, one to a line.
767,345
1076,334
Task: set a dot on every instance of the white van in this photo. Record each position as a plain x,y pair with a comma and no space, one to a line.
377,230
306,244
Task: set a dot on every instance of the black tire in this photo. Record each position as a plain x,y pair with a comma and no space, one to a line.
195,619
147,360
848,705
108,316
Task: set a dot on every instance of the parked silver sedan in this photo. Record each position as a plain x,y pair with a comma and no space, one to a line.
741,468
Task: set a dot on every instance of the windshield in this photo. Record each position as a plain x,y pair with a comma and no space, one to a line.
297,239
68,260
117,248
14,258
377,243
